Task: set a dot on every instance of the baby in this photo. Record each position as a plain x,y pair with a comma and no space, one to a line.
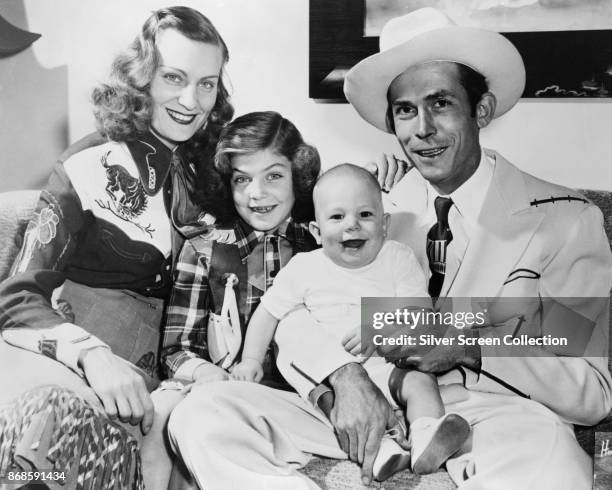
356,260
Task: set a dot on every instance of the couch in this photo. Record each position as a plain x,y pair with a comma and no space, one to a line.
16,208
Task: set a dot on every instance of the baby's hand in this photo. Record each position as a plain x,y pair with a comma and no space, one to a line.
248,370
352,344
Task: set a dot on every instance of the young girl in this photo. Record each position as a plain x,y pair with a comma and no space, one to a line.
270,173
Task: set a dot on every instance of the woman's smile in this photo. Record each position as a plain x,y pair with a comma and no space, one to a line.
181,118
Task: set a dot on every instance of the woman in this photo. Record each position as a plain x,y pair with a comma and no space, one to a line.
107,226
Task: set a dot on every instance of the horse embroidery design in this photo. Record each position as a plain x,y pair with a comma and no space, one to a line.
128,199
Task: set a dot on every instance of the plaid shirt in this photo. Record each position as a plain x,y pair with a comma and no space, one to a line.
186,328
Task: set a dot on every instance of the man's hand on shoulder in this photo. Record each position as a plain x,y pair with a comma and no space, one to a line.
389,170
360,415
122,391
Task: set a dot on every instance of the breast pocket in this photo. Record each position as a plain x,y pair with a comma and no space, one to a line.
522,282
124,248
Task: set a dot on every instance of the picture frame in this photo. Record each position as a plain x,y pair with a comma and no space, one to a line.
566,64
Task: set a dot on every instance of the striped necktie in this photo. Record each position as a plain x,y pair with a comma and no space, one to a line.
272,257
438,238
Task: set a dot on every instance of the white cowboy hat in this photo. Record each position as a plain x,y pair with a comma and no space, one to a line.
429,35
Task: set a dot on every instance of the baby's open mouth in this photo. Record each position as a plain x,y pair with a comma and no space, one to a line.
354,243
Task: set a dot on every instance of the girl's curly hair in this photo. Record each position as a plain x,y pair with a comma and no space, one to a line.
123,108
258,131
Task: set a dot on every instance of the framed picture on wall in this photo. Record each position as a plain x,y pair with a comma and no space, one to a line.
566,44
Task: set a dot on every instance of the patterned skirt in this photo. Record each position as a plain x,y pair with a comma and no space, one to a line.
56,434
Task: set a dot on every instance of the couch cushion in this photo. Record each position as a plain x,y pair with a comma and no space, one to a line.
603,199
344,475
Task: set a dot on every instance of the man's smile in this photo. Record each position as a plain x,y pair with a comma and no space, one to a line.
431,152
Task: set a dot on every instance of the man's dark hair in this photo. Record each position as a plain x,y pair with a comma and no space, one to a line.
474,83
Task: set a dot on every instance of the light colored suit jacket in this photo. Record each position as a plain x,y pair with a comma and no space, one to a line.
563,246
563,242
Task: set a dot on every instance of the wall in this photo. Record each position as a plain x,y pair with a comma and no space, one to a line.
33,111
564,141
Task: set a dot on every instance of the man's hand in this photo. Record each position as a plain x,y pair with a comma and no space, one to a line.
248,370
360,416
441,353
122,391
389,170
209,372
441,358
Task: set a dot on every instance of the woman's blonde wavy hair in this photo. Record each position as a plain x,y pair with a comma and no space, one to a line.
123,105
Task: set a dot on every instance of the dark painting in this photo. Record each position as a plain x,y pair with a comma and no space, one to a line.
568,63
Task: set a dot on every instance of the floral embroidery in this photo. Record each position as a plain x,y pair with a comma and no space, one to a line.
147,363
44,225
41,230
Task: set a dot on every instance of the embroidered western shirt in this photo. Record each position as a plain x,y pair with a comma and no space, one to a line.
102,220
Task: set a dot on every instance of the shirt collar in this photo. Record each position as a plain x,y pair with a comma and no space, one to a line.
469,197
153,160
247,238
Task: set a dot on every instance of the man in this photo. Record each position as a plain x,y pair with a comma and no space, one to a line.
510,238
511,235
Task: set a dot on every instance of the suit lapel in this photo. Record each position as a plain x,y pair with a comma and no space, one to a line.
453,265
505,226
411,217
